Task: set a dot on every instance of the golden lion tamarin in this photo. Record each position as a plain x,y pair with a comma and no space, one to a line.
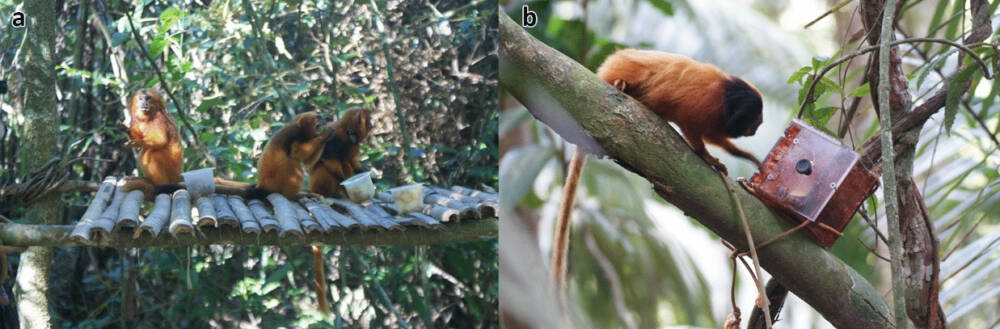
279,169
707,104
155,131
339,159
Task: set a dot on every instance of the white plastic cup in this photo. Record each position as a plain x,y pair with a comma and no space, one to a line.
200,182
408,198
359,187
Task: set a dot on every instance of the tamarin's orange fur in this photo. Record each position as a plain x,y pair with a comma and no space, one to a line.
279,169
154,130
339,159
706,103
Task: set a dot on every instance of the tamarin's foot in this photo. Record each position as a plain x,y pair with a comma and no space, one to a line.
620,85
715,163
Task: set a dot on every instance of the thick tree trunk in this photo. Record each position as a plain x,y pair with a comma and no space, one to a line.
41,123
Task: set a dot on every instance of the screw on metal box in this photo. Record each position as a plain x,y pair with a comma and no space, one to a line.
812,178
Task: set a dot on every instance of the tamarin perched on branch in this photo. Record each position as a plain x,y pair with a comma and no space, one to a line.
708,105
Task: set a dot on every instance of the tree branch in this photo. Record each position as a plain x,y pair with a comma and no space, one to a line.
644,143
890,189
22,235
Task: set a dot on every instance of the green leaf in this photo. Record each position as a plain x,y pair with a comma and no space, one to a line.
168,18
924,71
157,45
208,103
665,7
818,117
861,91
954,95
819,61
519,170
797,76
206,137
829,84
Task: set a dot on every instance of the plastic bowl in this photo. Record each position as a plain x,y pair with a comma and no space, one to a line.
408,198
359,187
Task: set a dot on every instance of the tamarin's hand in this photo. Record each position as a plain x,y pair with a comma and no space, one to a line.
708,105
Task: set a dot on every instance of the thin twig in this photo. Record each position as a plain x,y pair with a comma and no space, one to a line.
872,250
159,74
386,46
827,13
750,244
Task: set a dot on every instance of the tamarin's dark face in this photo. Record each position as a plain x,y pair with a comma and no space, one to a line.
743,111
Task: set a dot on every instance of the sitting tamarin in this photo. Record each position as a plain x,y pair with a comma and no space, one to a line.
706,103
339,159
155,131
337,162
279,169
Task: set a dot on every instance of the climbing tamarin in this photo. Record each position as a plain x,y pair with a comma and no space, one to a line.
708,105
153,130
339,159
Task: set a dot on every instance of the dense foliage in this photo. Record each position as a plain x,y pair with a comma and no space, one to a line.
232,72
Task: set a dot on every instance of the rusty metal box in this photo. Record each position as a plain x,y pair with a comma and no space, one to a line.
810,176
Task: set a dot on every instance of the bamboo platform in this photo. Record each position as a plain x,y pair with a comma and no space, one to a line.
115,215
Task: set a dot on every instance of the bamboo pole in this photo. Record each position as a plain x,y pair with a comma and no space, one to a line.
21,235
94,210
180,214
157,218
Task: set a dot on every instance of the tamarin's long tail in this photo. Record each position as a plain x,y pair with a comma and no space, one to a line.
251,190
560,243
248,191
320,279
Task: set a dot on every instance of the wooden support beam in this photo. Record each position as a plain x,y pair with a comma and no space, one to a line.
21,235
